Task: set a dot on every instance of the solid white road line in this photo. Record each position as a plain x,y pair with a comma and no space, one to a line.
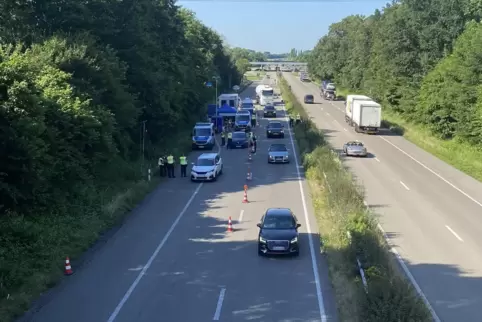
409,275
314,260
377,159
454,233
433,172
133,286
404,185
153,256
241,216
219,305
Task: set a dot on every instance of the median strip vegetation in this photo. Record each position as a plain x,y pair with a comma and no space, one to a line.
340,209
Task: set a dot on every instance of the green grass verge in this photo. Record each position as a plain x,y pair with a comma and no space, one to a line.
253,75
460,155
339,208
33,249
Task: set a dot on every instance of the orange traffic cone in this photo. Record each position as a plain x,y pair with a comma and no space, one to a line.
68,268
230,225
245,199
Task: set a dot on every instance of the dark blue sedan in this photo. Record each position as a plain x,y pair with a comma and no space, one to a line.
240,140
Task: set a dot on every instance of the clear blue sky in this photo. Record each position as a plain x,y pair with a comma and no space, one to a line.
276,26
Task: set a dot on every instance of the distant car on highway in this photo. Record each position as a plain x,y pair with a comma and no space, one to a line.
208,167
278,153
309,99
269,111
355,148
240,140
278,233
275,129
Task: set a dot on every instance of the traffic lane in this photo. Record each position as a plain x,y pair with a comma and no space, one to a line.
201,259
440,172
468,220
110,268
421,239
268,288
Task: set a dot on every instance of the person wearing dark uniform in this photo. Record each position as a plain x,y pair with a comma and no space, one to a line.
223,138
230,140
291,120
183,163
255,143
170,166
161,167
253,119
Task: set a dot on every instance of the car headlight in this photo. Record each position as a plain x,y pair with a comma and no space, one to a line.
285,157
262,240
269,131
294,240
271,157
282,131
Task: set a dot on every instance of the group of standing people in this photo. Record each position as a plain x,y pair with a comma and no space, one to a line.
166,166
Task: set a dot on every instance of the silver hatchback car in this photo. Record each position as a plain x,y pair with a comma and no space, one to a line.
355,148
278,153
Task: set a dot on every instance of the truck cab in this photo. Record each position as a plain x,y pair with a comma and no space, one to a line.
242,121
203,136
267,96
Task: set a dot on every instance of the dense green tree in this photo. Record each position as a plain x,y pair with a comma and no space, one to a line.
79,77
403,56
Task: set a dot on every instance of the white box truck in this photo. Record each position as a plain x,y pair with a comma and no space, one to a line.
349,106
366,116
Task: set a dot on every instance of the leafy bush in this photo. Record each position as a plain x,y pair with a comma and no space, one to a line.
339,208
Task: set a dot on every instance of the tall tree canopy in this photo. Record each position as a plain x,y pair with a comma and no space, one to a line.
77,78
419,58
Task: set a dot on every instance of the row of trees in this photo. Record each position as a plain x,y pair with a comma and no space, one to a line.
421,59
79,79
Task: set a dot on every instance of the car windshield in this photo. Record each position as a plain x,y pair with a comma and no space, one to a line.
267,92
278,148
239,135
279,222
243,117
247,105
355,144
275,125
202,132
269,107
205,162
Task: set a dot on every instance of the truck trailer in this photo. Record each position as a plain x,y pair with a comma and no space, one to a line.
366,116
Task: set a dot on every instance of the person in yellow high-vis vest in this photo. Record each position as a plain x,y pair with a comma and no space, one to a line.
253,119
183,163
223,138
230,140
170,166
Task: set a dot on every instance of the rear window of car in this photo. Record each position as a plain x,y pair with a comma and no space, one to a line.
239,135
275,125
271,108
309,96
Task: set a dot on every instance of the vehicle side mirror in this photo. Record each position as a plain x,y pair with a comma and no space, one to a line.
298,225
258,225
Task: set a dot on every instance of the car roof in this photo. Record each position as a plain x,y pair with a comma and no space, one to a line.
208,156
203,126
353,142
308,95
242,132
279,212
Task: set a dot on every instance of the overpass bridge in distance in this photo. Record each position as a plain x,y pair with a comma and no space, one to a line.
279,63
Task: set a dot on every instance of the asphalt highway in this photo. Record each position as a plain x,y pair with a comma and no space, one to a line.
173,259
431,212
